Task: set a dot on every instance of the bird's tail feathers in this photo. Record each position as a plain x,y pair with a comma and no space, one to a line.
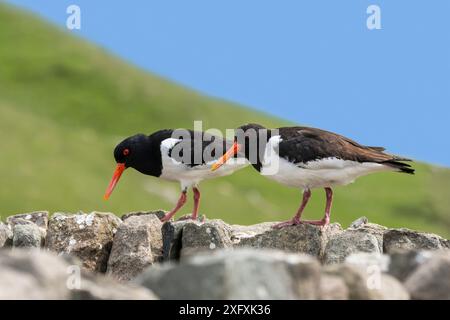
401,166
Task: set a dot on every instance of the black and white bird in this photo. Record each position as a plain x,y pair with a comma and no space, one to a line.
309,158
176,155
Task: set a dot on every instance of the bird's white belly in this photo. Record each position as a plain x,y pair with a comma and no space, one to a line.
321,173
178,171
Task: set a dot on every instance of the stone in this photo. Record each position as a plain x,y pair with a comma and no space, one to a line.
363,225
158,213
333,288
446,243
33,275
368,283
186,237
407,239
103,288
391,289
206,236
40,218
376,230
40,275
6,235
236,274
302,238
342,244
86,236
171,236
369,260
431,279
137,244
359,222
403,262
27,234
239,232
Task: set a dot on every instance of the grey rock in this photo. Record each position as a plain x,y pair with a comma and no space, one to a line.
431,279
404,262
342,244
6,235
187,237
137,244
368,283
359,222
86,236
369,260
207,236
35,274
236,274
391,289
395,239
171,235
239,232
302,238
446,243
157,213
27,234
375,230
32,275
333,288
102,288
40,218
363,225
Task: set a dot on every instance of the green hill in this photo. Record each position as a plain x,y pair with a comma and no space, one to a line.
65,103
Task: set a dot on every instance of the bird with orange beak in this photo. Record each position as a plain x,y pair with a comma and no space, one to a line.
309,158
184,156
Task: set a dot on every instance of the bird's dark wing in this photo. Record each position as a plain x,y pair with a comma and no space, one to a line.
300,145
199,148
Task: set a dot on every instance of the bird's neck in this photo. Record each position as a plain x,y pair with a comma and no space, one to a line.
257,159
149,160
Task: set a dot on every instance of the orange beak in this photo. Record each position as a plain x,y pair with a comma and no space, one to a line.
116,176
229,154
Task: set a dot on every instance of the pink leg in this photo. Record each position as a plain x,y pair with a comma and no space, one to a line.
296,219
326,219
194,215
196,203
180,203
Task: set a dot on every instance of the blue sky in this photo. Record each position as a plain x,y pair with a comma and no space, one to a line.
313,62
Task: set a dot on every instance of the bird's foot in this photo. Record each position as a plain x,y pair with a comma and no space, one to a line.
200,218
283,224
166,218
322,223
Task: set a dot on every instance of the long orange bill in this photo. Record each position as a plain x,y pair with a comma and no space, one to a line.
223,159
116,176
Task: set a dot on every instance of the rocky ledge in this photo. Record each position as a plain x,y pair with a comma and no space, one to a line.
100,256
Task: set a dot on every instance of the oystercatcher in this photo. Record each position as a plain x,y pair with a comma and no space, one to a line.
310,158
177,155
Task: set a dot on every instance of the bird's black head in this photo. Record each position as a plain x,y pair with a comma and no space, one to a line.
131,151
134,152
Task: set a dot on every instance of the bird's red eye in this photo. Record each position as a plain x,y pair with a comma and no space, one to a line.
126,152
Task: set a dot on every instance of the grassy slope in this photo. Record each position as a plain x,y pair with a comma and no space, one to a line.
65,103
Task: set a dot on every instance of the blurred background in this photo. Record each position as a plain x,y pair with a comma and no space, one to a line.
67,97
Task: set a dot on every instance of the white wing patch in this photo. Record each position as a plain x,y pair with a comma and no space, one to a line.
188,176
